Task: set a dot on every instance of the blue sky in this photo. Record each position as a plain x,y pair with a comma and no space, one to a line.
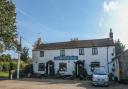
61,20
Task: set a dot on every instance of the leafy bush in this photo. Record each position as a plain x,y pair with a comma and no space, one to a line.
25,68
21,74
1,63
111,76
24,72
5,57
5,66
73,75
22,65
28,69
1,66
14,65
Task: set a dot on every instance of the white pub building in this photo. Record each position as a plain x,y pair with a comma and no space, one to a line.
75,56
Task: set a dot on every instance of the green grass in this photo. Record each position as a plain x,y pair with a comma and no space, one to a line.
4,74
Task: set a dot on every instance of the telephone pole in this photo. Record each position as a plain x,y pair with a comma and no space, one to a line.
18,62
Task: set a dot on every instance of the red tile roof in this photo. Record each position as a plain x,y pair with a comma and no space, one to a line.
76,44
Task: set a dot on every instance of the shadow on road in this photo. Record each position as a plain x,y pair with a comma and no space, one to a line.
3,78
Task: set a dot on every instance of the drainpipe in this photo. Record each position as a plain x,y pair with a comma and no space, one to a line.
107,60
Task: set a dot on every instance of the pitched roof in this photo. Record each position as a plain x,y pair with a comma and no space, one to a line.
76,44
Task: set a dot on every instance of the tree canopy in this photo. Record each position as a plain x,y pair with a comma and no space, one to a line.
38,42
25,54
5,57
8,32
119,47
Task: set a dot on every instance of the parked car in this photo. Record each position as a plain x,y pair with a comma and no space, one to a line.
100,78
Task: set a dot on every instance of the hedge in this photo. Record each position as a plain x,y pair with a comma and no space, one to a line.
4,66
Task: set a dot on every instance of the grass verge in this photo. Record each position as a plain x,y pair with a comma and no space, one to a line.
4,74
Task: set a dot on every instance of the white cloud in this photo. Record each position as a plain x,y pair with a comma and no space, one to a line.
110,6
121,22
117,16
22,12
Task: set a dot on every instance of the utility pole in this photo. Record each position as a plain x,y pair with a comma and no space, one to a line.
18,62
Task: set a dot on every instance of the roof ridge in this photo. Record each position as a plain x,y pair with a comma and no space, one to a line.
75,41
76,44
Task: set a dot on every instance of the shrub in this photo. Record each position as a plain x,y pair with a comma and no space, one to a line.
25,68
5,66
111,76
24,72
73,75
1,66
28,69
21,74
1,63
13,65
22,65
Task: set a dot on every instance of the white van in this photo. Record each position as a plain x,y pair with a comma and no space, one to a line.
100,77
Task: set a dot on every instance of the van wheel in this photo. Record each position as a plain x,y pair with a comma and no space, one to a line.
107,85
93,84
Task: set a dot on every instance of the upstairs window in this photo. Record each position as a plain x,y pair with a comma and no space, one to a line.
41,53
81,51
41,67
62,67
62,52
94,51
113,52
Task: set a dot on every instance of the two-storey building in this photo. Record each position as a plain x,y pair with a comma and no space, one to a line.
74,56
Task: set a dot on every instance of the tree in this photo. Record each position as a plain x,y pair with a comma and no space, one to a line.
8,32
5,57
25,54
37,43
119,47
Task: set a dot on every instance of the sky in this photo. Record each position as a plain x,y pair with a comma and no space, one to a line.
61,20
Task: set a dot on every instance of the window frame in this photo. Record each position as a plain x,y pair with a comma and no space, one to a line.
41,66
81,51
95,64
94,51
60,66
41,53
62,52
113,51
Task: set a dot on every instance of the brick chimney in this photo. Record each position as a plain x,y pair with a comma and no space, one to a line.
111,34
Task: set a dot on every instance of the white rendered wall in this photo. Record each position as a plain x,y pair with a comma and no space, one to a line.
88,57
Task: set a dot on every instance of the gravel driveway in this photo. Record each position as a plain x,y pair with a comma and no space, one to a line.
53,84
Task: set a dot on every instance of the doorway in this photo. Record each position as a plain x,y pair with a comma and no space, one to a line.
79,68
50,68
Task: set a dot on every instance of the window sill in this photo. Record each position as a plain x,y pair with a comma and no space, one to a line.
41,70
62,71
94,54
81,54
